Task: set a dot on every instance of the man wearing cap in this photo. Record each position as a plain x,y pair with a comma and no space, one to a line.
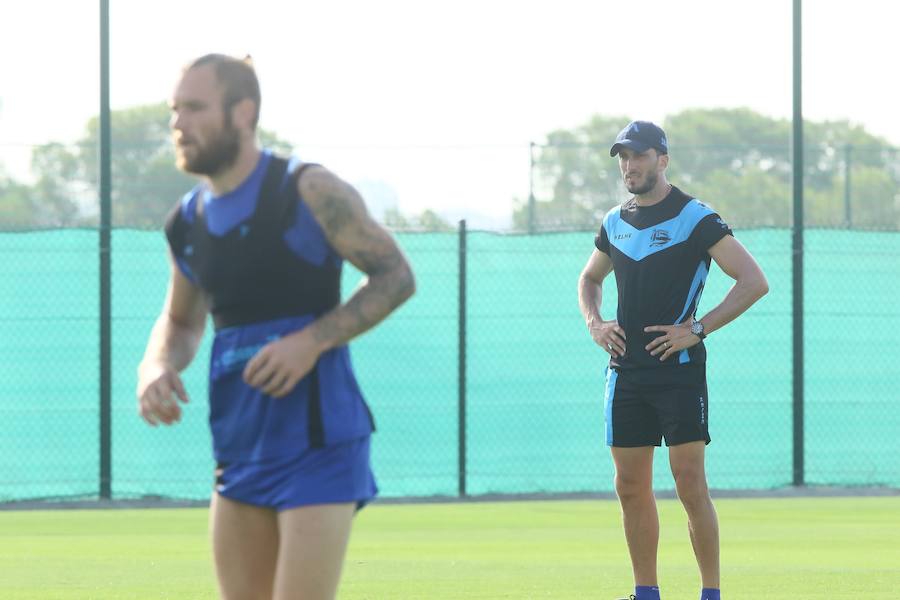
660,244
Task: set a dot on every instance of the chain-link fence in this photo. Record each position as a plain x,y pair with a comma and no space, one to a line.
533,383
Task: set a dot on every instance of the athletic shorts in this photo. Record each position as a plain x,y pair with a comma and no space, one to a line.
332,474
643,406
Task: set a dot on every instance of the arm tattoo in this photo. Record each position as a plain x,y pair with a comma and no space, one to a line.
351,231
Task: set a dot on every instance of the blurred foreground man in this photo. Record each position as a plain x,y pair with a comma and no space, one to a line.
259,245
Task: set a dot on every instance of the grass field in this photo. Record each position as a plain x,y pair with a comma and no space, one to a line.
791,548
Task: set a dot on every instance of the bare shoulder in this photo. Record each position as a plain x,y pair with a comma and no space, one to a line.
334,202
342,214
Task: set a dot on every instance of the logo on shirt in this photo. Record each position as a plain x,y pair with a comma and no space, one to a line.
622,236
659,237
239,356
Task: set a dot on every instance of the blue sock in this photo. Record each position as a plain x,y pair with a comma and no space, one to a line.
646,592
709,594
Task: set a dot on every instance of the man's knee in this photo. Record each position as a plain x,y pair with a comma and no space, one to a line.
691,486
630,488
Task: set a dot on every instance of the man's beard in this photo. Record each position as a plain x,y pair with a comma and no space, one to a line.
652,178
217,155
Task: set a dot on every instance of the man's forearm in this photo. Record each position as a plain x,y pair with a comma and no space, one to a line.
171,343
741,296
589,299
369,305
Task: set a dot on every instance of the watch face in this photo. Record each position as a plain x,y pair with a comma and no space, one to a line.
697,328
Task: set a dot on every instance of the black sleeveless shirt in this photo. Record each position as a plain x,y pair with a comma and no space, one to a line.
250,273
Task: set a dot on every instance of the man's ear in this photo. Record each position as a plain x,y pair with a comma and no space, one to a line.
243,113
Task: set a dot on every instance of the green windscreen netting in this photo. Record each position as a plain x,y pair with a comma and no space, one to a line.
534,382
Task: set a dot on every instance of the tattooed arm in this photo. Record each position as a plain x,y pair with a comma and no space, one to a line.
341,213
354,235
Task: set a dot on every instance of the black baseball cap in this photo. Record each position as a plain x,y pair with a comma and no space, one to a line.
640,136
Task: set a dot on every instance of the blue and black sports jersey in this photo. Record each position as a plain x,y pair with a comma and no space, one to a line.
268,270
660,259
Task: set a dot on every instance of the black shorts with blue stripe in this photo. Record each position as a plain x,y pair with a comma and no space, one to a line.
645,406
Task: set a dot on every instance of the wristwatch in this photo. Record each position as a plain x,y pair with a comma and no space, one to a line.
697,329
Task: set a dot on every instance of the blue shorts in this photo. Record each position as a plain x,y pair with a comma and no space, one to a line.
332,474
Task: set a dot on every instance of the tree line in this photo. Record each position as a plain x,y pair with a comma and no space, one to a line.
145,181
736,160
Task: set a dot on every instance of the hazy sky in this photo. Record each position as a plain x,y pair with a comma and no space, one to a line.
438,101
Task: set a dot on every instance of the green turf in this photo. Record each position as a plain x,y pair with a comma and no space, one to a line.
832,548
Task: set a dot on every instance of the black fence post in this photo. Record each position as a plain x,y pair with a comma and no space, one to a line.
105,265
462,359
848,166
532,207
797,244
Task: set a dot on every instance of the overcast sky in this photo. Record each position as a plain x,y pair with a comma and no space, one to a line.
435,103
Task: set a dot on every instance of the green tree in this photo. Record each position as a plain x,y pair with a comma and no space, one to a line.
873,202
737,160
16,207
746,198
394,219
38,206
427,220
60,197
145,181
575,182
706,141
42,205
